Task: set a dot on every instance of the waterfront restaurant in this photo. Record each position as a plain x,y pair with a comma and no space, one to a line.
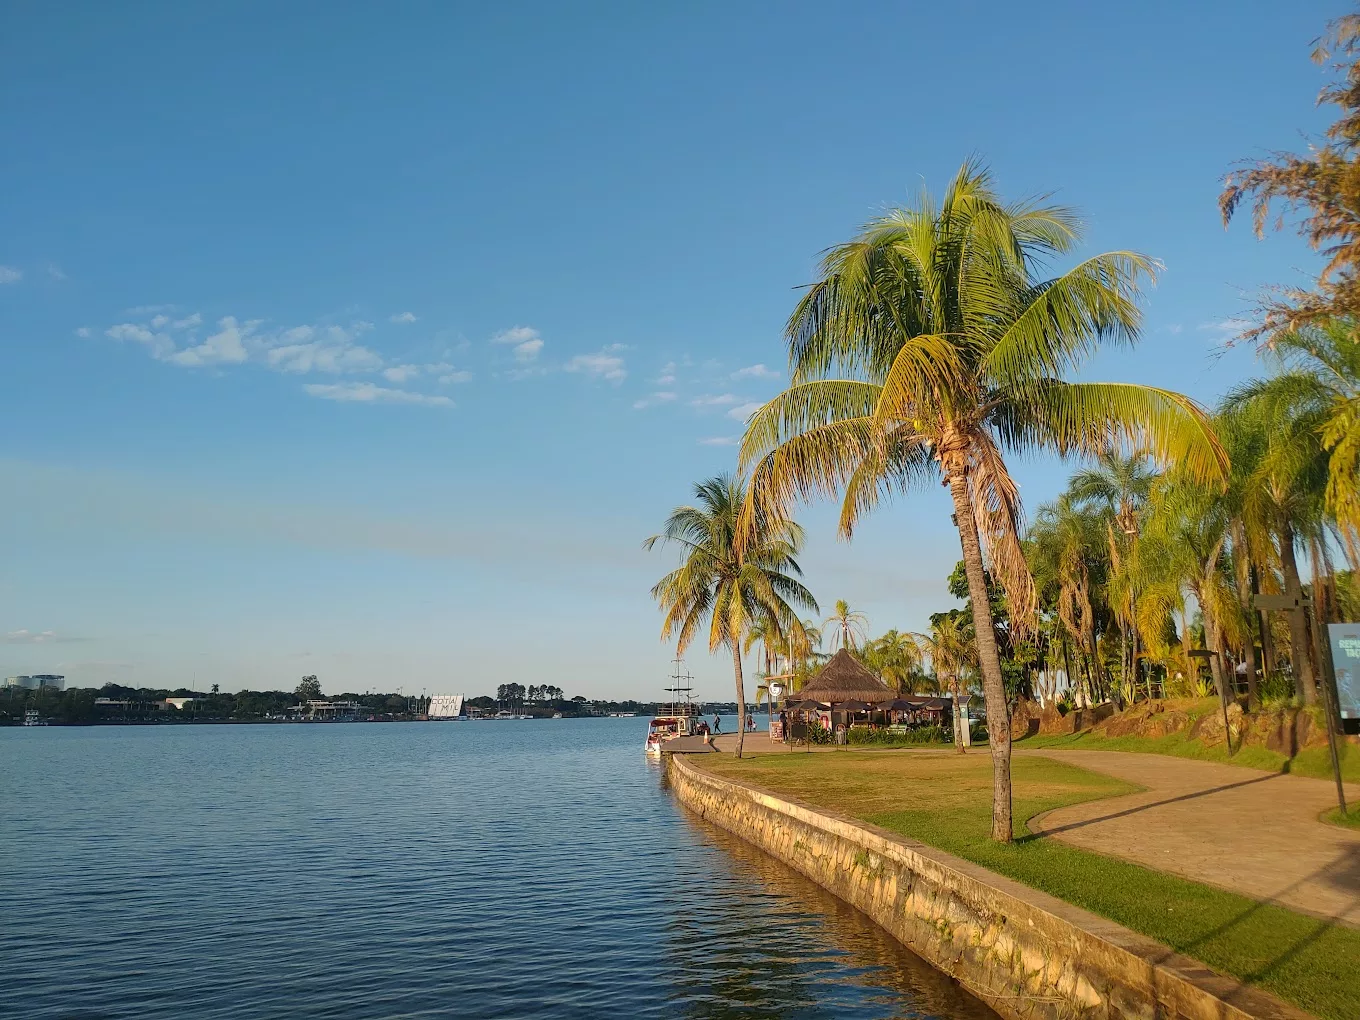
846,692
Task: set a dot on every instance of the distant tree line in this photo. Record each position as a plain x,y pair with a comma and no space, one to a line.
78,706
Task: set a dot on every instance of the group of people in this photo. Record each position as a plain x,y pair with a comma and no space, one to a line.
704,730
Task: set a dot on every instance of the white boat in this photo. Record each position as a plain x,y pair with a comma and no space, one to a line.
32,718
680,718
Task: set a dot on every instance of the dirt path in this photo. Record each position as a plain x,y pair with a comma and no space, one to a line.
1255,833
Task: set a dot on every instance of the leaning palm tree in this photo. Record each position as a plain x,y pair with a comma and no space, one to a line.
735,587
931,348
846,627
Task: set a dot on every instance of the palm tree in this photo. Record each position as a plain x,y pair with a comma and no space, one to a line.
1119,484
1065,550
847,627
930,348
952,652
1185,547
897,658
734,587
1285,494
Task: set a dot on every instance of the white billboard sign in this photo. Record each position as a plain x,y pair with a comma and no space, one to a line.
445,706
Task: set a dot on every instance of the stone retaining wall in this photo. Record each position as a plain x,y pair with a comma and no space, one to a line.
1028,955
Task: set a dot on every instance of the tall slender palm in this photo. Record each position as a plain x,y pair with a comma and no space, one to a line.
735,587
1185,546
931,347
952,652
1065,546
1120,483
1285,494
846,627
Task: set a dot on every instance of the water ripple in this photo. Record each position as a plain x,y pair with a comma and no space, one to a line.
421,870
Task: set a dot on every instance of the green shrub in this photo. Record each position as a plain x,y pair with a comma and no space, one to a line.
882,736
1277,689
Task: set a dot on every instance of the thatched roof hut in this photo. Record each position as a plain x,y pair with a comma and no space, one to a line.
845,678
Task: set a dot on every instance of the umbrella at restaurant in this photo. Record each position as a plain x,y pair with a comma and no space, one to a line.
852,706
901,705
805,706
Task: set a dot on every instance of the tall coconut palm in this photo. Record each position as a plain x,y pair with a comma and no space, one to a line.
734,587
931,348
846,627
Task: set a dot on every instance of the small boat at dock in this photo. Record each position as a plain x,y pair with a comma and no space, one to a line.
680,717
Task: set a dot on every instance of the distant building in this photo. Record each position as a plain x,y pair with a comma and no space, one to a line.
445,706
37,681
178,703
323,709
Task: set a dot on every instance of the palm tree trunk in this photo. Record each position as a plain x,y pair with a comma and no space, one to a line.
1267,648
989,661
1298,623
958,718
741,696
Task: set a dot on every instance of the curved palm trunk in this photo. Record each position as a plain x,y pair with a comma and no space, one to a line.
741,696
989,660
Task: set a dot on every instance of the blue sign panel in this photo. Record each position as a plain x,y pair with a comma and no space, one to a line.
1345,640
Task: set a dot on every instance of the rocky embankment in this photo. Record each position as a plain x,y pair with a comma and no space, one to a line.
1283,729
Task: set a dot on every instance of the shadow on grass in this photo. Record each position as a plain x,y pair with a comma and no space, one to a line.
1141,807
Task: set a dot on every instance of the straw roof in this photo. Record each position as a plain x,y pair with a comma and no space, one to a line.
845,678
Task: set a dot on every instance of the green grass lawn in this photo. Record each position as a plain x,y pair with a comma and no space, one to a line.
1314,761
944,800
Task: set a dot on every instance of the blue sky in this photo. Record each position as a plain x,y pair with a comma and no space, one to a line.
371,340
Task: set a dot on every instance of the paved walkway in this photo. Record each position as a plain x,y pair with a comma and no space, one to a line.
1255,833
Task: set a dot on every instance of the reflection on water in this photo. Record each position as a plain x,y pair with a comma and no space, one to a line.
348,872
795,950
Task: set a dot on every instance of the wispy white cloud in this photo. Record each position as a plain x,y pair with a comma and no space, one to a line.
160,345
401,373
524,341
1174,328
40,637
8,274
1230,325
719,441
715,400
403,317
84,331
667,376
225,347
743,411
455,376
659,397
603,364
755,372
371,393
54,271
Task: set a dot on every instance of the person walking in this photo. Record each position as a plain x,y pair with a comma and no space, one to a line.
717,723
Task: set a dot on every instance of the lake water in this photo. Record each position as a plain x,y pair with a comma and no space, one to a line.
512,869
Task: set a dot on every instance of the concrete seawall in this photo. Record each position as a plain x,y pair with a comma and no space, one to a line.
1028,955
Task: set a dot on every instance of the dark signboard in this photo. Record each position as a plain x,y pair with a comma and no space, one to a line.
1345,640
